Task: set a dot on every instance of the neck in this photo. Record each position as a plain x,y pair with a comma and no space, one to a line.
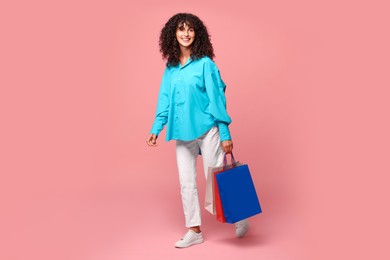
185,53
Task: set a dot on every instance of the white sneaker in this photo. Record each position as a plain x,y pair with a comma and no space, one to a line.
242,227
189,239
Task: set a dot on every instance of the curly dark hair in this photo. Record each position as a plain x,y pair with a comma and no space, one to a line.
169,46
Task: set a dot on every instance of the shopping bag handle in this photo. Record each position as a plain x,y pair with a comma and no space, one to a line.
232,161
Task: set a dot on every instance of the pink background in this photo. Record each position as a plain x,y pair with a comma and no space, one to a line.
308,91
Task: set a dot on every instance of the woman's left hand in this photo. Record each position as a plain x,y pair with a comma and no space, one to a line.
227,146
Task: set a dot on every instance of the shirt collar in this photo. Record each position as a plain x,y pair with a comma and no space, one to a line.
185,64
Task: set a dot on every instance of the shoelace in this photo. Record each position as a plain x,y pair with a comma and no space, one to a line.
189,235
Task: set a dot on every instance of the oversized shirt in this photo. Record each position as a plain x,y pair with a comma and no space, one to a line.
191,101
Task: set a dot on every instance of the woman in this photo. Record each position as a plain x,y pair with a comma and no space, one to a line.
192,104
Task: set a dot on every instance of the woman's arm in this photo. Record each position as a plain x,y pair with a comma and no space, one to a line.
215,88
162,109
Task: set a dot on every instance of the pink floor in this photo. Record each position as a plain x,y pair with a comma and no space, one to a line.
115,224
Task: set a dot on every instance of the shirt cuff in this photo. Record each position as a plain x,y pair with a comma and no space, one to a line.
224,132
155,130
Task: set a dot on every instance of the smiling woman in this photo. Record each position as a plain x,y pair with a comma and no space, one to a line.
192,104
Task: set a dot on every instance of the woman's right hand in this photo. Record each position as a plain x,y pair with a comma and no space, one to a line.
152,140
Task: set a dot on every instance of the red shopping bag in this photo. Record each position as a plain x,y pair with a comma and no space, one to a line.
217,198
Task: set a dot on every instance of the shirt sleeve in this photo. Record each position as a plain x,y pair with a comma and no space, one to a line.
162,106
215,88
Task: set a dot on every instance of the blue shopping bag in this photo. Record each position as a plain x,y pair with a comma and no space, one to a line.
238,194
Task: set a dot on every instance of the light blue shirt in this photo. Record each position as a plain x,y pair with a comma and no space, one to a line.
191,101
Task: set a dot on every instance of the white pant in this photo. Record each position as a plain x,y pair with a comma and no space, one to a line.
186,156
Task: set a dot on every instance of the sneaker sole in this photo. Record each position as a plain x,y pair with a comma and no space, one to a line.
196,242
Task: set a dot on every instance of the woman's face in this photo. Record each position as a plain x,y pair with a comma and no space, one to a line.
185,35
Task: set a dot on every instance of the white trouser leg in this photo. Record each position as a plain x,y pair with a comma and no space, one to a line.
212,153
186,156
